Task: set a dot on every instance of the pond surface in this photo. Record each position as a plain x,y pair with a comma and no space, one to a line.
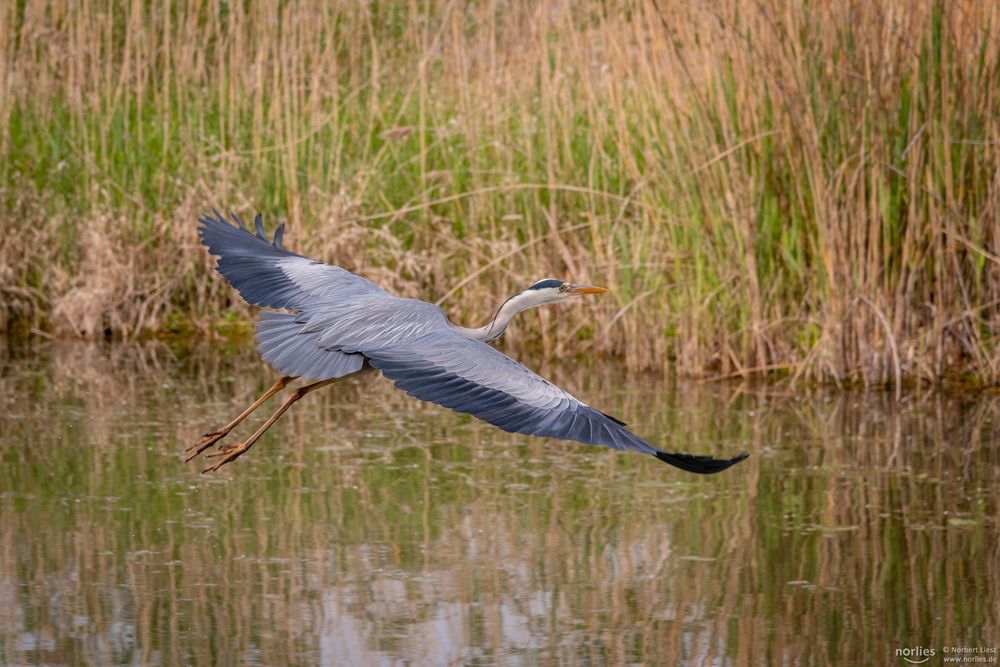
369,528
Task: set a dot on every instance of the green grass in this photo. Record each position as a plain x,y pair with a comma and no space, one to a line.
799,191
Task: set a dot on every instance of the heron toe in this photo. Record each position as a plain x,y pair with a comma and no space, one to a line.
225,450
204,443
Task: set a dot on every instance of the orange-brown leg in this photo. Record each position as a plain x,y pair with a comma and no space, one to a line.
233,452
210,439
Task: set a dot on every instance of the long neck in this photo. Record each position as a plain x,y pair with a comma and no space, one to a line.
498,323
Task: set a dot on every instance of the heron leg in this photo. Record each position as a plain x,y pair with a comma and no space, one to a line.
233,452
210,439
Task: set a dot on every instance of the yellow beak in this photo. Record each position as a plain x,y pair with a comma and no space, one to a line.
586,289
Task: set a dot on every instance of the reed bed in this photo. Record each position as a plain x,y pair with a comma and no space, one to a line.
801,189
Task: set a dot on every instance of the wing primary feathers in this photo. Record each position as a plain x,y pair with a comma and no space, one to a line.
614,419
239,222
703,465
250,262
258,223
279,234
468,376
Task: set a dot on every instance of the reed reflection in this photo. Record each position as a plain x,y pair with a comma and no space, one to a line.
370,528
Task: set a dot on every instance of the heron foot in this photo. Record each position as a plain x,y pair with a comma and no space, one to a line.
223,450
230,452
204,443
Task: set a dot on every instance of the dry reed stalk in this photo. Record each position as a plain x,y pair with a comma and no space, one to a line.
746,178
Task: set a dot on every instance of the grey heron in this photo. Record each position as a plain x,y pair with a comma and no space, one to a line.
326,323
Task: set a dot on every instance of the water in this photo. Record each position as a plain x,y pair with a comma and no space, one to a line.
368,528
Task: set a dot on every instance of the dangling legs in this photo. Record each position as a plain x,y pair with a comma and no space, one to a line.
210,439
233,452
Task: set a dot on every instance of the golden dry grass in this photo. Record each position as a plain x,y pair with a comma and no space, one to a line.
784,187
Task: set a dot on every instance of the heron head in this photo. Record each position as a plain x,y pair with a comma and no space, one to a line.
551,290
539,294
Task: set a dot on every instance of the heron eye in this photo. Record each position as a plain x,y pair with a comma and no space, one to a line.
564,287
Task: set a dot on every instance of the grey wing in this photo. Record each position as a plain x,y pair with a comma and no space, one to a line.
326,339
449,369
284,341
268,275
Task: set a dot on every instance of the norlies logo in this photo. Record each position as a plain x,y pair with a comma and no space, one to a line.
916,656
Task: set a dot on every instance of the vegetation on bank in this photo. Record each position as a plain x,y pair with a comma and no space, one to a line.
791,187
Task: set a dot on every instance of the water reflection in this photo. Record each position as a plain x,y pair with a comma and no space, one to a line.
368,528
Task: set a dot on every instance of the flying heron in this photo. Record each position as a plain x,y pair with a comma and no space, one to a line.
333,323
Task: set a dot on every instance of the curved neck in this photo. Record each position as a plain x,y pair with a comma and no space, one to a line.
511,307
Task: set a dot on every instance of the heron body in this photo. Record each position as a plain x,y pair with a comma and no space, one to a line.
333,323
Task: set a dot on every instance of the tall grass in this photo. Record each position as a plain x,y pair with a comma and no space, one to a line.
790,187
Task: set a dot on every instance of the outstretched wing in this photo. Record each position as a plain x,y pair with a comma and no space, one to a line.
449,369
267,275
